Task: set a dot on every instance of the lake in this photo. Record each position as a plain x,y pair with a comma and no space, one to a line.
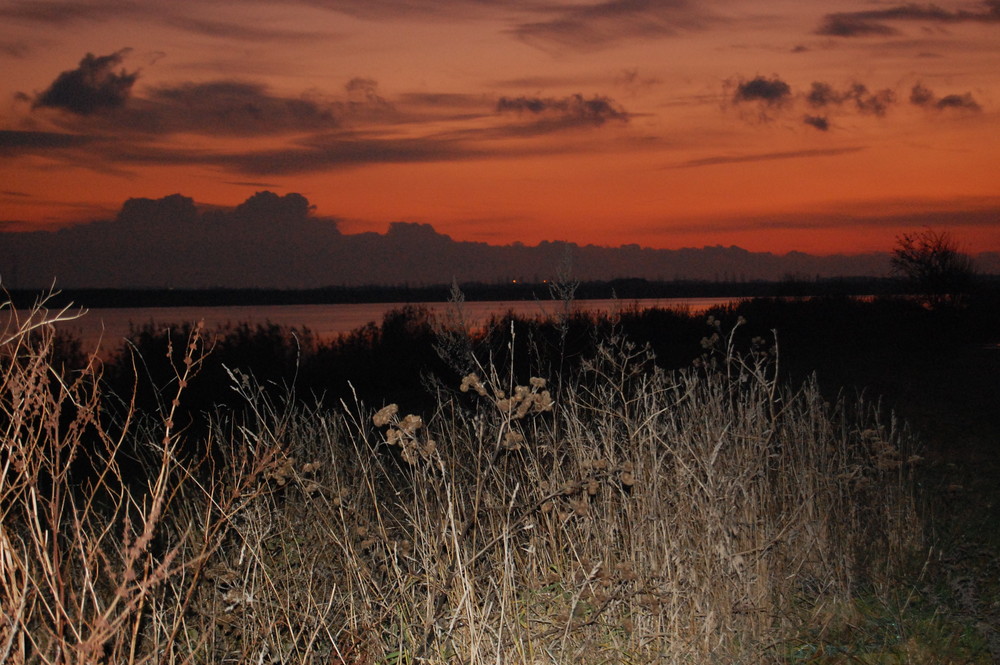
109,326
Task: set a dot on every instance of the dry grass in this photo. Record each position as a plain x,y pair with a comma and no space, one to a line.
699,516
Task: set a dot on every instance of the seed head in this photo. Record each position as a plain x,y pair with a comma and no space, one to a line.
411,423
512,440
473,381
385,415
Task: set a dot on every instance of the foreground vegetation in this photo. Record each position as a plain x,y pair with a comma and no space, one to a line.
538,494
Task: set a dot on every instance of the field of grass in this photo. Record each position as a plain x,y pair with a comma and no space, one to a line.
647,488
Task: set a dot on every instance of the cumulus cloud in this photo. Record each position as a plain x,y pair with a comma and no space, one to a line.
965,102
773,96
875,22
93,86
822,95
923,96
576,108
876,103
763,96
771,92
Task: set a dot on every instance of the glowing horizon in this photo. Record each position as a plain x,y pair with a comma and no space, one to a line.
778,126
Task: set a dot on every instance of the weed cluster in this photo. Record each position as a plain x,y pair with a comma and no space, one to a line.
636,515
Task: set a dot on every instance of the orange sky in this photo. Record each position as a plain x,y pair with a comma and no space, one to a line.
822,127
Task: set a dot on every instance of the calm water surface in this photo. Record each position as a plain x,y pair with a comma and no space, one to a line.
110,326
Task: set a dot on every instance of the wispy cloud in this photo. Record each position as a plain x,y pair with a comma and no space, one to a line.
766,157
16,49
310,133
66,12
232,108
16,142
876,22
179,14
337,152
574,109
241,30
395,10
599,25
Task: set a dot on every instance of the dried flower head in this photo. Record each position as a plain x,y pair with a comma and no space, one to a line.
627,474
411,423
385,415
512,440
473,381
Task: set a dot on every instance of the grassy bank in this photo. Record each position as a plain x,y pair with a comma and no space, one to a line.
561,496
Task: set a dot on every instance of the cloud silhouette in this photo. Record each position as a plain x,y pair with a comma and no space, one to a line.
850,25
873,22
965,102
770,92
273,241
763,96
597,110
820,122
876,103
277,241
772,96
93,86
822,95
322,134
921,95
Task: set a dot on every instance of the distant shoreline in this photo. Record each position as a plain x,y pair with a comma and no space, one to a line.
625,289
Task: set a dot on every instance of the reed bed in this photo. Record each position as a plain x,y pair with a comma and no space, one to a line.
699,516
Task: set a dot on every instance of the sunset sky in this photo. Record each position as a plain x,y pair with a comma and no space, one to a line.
821,127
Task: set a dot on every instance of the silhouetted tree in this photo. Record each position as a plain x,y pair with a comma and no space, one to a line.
932,263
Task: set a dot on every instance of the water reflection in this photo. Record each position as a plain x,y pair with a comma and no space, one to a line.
109,326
